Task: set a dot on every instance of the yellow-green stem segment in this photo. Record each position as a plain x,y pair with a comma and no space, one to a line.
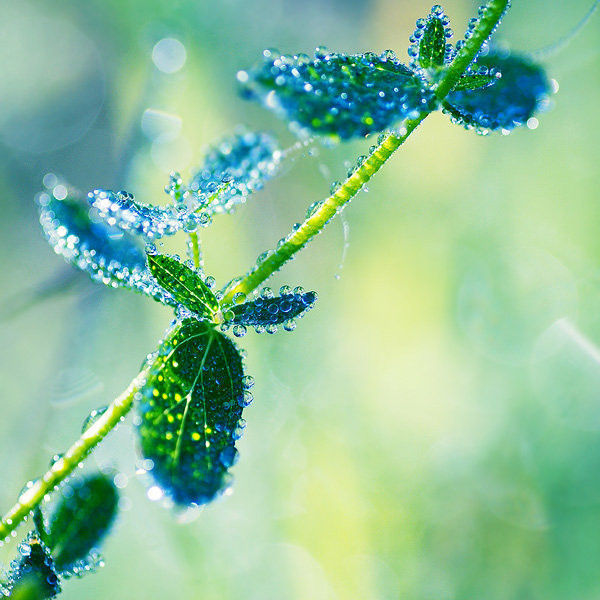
65,465
92,436
321,216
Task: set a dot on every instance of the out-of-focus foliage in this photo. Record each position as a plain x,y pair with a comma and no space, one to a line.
433,430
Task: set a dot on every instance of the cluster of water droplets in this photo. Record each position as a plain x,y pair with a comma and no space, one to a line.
266,312
235,168
336,94
80,235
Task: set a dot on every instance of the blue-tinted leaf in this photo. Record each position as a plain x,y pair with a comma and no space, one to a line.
121,210
34,572
337,95
234,168
106,253
83,515
184,284
509,102
273,311
190,412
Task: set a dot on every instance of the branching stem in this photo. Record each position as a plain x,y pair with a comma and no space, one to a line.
315,223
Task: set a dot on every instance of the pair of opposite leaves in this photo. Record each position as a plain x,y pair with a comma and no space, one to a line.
346,96
64,541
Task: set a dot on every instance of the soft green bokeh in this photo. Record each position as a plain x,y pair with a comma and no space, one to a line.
431,430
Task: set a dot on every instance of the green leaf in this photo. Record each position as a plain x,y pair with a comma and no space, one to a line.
190,412
83,516
432,47
474,82
337,95
272,311
184,284
34,575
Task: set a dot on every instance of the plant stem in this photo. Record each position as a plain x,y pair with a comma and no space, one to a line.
64,466
316,222
195,248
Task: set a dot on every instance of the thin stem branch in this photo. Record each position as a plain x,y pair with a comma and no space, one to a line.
315,223
63,467
195,248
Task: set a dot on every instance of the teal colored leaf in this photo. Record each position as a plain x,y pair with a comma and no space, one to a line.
190,412
522,91
83,516
184,284
234,168
106,253
34,572
337,95
272,311
432,47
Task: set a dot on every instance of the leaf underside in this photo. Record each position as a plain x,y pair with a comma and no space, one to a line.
272,311
82,517
184,284
106,253
506,104
337,95
244,160
190,412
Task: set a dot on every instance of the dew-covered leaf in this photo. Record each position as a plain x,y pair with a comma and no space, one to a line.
432,47
123,211
273,311
515,97
337,95
474,82
185,285
108,254
234,168
34,572
429,49
84,513
190,412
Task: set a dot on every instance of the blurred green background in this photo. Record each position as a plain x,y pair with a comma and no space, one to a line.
431,430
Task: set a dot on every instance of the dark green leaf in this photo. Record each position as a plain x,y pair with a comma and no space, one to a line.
510,102
34,574
474,82
336,94
190,412
84,514
186,286
432,47
272,311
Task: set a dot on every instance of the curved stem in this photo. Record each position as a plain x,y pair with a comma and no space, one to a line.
63,467
314,224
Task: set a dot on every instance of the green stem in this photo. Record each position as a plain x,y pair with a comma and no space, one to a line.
94,434
315,223
195,248
64,466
